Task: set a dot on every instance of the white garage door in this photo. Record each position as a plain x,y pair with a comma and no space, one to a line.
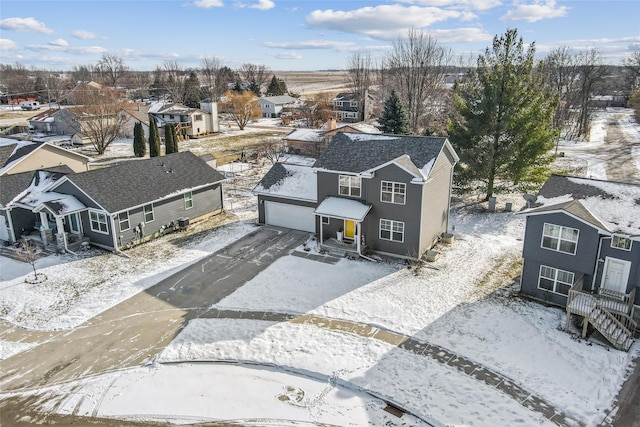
289,216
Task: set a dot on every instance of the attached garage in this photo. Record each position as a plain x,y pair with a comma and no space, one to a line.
290,216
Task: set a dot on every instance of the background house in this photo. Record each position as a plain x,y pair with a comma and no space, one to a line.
272,106
55,121
349,109
21,156
311,142
389,193
189,122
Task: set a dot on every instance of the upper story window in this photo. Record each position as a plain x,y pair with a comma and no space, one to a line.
98,221
148,213
354,103
338,103
621,242
197,117
559,238
349,186
393,192
123,220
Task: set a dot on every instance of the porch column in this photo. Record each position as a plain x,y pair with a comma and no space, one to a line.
358,237
321,232
45,232
61,236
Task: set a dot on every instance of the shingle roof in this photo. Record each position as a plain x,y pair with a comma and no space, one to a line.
12,185
291,181
279,100
18,151
610,205
359,152
134,183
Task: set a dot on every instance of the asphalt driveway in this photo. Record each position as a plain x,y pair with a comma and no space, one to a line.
136,330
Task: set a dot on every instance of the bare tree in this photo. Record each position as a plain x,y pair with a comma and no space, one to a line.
83,73
243,107
272,149
210,67
591,72
256,75
173,80
100,116
28,253
560,69
632,67
112,69
360,78
416,69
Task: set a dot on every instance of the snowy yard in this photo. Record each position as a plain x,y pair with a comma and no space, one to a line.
465,302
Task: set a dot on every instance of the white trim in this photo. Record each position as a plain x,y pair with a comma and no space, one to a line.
625,273
171,196
106,223
620,236
392,222
350,186
120,221
393,193
21,159
393,162
555,279
569,214
144,213
66,179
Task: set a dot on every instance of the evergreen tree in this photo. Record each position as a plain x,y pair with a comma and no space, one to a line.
502,127
154,138
394,118
168,138
276,87
139,143
175,139
192,91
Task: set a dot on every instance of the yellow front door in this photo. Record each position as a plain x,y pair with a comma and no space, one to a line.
349,229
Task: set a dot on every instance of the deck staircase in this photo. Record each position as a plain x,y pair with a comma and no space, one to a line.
607,311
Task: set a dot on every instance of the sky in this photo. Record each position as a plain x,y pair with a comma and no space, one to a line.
293,35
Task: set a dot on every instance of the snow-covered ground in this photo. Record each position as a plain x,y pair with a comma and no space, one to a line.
464,302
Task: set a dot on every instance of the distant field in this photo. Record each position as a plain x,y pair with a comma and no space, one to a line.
314,82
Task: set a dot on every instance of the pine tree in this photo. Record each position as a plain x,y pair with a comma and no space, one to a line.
154,138
175,139
139,143
192,91
168,138
502,128
394,118
276,87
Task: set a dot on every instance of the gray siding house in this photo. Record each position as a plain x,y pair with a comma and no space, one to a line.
272,106
582,252
386,193
117,206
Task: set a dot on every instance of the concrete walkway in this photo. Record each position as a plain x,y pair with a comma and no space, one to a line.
432,351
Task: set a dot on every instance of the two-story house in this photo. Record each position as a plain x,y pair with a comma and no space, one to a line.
189,122
385,193
272,106
582,251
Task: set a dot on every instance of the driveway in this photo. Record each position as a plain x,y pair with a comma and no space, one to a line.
136,330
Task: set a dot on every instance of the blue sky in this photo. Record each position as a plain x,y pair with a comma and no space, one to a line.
296,35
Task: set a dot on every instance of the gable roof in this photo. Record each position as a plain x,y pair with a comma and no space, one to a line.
37,197
345,96
137,182
13,152
303,134
139,112
290,181
13,185
360,152
608,205
279,100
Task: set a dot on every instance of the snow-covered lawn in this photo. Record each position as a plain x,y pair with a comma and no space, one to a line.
465,301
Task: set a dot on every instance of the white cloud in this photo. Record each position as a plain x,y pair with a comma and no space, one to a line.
59,43
541,9
286,55
461,35
24,24
84,50
207,4
84,34
6,44
263,5
463,4
311,44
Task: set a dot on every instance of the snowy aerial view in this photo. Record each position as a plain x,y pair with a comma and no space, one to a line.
316,339
382,213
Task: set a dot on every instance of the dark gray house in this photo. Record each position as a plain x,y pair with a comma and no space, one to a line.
115,206
386,193
582,251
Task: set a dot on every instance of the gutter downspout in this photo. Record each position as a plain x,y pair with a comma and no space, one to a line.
595,272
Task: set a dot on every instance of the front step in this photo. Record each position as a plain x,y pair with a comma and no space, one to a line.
621,338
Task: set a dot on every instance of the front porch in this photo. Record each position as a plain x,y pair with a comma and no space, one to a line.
609,312
342,235
342,247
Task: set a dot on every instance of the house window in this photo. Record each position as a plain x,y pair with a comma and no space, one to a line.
392,230
392,192
349,115
338,103
123,220
561,239
171,116
555,280
197,117
188,200
98,222
620,242
148,213
325,220
349,186
354,103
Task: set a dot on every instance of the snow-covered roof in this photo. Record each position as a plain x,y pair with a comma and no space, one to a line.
290,181
36,196
338,207
279,100
612,206
309,135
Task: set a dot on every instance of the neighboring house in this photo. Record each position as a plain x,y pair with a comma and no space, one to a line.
116,206
22,156
55,121
272,106
311,142
348,109
190,122
387,193
582,252
135,113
